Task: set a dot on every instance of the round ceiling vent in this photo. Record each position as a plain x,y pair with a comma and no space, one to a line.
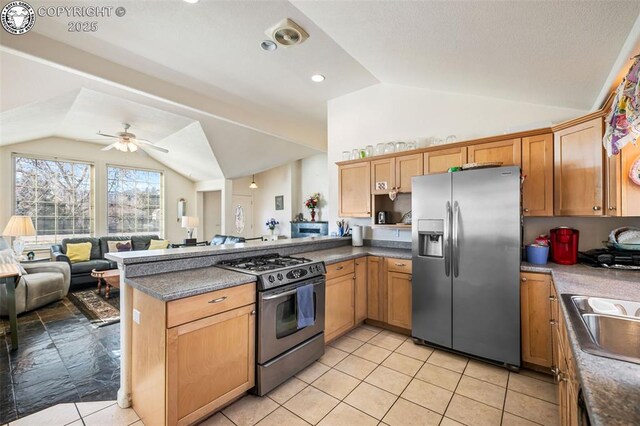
287,33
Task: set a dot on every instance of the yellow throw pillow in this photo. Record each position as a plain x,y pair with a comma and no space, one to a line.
79,252
158,244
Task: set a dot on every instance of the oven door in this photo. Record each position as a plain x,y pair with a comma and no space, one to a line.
278,319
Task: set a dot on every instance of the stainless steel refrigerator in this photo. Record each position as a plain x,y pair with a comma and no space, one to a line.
466,262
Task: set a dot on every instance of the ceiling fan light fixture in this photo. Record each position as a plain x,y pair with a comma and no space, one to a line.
253,184
191,1
132,147
121,146
317,78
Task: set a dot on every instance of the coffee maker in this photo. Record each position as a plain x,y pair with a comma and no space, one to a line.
564,245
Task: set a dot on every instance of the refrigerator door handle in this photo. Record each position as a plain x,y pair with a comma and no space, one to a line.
447,237
456,225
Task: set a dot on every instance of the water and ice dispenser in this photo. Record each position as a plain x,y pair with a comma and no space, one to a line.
431,237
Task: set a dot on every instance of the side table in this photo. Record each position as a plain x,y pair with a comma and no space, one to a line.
9,276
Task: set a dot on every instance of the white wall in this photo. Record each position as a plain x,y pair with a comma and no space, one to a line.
593,230
211,214
386,112
176,186
313,178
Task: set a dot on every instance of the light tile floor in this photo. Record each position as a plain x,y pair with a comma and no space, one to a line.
377,377
368,377
100,413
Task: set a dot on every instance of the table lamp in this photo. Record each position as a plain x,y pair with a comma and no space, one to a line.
190,223
18,227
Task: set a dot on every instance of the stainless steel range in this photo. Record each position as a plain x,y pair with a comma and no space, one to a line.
284,348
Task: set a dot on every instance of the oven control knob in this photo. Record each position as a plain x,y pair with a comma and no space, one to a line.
280,277
271,278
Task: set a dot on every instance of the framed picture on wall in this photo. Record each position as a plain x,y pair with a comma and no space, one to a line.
279,202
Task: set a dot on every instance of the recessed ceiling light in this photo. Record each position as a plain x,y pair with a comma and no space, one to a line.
191,1
317,78
268,45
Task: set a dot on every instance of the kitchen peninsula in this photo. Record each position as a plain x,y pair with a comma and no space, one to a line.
179,309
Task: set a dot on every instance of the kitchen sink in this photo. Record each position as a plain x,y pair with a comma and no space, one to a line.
606,327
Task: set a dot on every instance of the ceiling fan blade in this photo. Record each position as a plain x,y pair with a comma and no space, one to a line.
108,147
106,135
144,141
157,148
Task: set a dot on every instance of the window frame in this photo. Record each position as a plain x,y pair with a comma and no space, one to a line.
106,198
92,190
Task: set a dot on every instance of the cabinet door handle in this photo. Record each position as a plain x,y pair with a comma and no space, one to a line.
553,322
339,268
253,312
597,208
400,264
523,279
218,300
612,207
552,298
526,210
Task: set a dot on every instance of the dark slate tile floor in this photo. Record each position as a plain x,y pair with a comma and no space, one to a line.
61,358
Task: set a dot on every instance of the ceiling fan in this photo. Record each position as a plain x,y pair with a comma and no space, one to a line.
127,142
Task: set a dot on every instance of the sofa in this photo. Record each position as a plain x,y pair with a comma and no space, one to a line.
219,240
45,282
81,271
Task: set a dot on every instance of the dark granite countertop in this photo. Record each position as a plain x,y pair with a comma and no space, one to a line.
177,285
145,256
611,388
340,254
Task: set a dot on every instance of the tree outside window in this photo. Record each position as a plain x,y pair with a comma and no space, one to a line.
57,195
134,201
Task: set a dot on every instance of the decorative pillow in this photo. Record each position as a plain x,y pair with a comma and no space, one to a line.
124,246
158,244
79,252
113,245
9,256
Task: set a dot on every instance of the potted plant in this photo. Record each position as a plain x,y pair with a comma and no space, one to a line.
311,203
271,224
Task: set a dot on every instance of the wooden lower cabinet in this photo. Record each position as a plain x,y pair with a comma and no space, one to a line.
183,374
399,299
375,289
535,319
564,369
339,314
360,290
209,362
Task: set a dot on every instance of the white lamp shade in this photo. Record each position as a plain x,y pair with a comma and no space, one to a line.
190,221
19,226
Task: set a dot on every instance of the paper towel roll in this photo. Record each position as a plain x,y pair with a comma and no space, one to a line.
356,235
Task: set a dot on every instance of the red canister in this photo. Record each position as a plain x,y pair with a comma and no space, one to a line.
564,245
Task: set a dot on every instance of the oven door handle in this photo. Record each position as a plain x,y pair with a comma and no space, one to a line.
288,293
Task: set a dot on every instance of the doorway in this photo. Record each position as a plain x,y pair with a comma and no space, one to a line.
211,214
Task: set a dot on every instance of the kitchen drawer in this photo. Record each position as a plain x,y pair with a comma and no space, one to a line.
399,265
339,269
195,307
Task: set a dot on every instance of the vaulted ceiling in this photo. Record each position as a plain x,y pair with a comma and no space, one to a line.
193,78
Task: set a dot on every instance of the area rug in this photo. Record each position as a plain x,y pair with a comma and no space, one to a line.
98,310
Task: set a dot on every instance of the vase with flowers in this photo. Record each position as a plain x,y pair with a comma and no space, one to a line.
311,203
271,224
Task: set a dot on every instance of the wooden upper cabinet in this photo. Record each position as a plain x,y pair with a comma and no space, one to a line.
535,312
407,166
441,160
507,152
383,175
354,186
578,170
630,192
537,167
